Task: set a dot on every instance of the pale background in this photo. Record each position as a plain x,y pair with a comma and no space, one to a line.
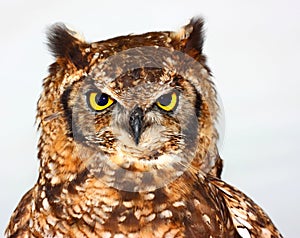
253,51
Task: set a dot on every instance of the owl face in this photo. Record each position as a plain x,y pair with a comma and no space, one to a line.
136,126
140,110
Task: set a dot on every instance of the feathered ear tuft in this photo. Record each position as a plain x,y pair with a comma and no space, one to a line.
191,37
195,35
63,44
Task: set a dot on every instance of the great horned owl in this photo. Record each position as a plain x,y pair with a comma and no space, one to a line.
128,144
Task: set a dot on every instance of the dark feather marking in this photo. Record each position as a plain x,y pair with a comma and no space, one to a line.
72,127
198,103
62,44
128,196
196,38
52,192
80,178
54,68
67,110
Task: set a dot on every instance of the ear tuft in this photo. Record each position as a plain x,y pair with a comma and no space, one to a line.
62,43
195,35
191,37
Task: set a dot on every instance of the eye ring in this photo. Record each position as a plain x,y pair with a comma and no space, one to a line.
168,102
99,101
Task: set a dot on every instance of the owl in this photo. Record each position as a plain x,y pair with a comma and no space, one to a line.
128,144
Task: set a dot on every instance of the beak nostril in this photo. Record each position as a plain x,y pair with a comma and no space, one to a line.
136,123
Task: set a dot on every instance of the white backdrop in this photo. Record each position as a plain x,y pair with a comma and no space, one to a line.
252,49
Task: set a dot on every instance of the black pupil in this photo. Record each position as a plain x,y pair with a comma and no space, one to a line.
102,99
166,99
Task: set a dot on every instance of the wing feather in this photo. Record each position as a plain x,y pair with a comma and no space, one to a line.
248,218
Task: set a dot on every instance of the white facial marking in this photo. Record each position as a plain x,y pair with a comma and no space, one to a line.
179,204
266,233
106,208
166,214
122,218
133,235
55,180
76,208
106,234
151,217
119,236
43,194
244,233
206,218
138,214
128,204
45,204
149,196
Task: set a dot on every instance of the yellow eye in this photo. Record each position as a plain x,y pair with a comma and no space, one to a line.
99,101
168,102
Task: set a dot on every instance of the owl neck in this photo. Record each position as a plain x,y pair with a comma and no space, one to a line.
65,181
85,193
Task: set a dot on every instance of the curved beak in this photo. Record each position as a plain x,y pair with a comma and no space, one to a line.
136,123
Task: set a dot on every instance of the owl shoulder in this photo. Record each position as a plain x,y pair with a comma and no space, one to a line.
20,220
248,218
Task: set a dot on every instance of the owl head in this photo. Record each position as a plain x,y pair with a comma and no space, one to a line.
136,111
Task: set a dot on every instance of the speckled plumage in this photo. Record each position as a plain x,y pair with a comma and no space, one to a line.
100,176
